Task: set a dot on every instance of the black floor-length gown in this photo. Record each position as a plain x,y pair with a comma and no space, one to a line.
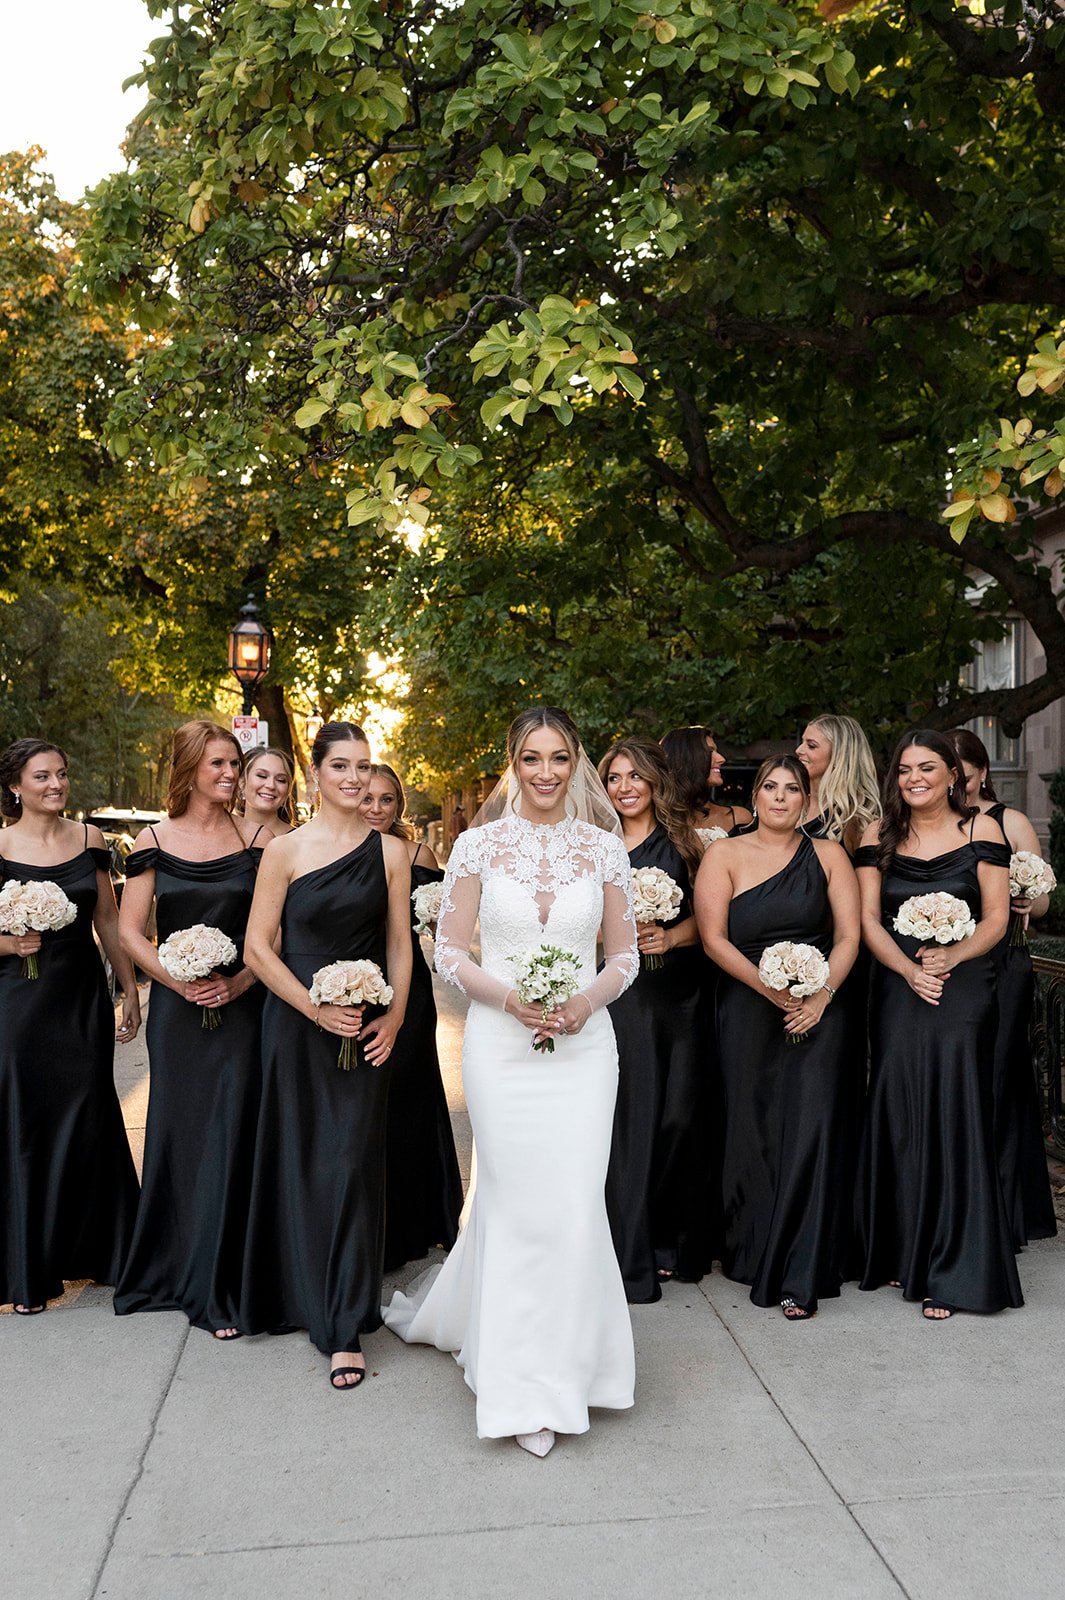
658,1187
931,1212
1018,1124
203,1100
316,1225
423,1186
68,1186
787,1193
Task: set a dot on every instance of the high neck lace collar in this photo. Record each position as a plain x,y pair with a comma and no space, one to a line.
541,827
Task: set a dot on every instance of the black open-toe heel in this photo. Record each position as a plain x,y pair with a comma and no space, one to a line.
936,1305
794,1312
344,1372
27,1311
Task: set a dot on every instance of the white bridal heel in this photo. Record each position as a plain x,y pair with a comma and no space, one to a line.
537,1444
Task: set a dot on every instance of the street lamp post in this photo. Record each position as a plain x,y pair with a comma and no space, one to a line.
249,651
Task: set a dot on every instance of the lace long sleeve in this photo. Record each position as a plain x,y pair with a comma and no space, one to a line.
459,906
621,953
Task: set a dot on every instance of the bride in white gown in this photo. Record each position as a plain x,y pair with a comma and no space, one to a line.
530,1300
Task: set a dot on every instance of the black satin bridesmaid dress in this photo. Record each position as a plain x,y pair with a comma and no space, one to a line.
1022,1159
931,1212
423,1186
658,1186
68,1186
203,1100
316,1225
787,1166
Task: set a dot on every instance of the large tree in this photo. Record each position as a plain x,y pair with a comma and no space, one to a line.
757,269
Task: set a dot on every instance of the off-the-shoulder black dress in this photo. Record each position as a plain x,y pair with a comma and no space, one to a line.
931,1212
68,1186
188,1245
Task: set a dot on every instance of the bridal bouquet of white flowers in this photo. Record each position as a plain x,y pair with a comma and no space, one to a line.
34,908
656,897
799,968
546,977
935,918
427,901
350,983
194,953
1030,876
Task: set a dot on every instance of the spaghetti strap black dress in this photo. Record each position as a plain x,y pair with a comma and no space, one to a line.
787,1167
658,1185
68,1186
1019,1143
316,1224
203,1100
931,1212
423,1186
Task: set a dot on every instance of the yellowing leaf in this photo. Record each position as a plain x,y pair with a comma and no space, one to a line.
997,508
1054,483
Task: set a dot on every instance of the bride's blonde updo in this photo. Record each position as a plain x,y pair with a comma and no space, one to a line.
543,717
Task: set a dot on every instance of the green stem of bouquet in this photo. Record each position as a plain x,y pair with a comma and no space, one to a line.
547,1044
30,969
1018,932
349,1054
209,1019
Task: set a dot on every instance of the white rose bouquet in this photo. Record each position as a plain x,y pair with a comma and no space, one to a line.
711,835
34,908
546,977
350,983
935,919
427,901
799,968
1030,876
656,897
194,953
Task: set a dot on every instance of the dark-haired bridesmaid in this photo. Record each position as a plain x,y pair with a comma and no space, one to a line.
698,767
787,1062
68,1187
932,1217
333,890
423,1186
267,784
658,1187
1018,1124
196,866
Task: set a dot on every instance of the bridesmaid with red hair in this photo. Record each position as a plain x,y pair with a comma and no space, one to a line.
196,866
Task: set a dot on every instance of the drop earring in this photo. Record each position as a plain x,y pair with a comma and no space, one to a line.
18,797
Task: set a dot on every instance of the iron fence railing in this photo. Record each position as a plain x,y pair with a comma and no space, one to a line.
1048,1044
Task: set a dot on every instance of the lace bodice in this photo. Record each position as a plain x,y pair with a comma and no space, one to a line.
534,884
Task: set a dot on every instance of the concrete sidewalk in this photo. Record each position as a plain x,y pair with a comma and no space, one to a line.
866,1453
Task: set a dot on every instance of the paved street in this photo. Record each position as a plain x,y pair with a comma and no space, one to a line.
864,1454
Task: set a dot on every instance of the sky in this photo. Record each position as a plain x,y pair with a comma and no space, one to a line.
62,65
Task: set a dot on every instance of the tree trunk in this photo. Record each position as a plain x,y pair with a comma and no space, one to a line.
270,704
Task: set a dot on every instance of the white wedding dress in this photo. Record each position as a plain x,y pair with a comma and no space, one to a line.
531,1301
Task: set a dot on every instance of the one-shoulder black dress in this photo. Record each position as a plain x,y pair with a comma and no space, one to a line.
423,1186
658,1186
787,1194
1022,1160
931,1212
188,1245
316,1225
68,1186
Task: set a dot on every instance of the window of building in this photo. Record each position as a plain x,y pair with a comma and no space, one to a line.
997,666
